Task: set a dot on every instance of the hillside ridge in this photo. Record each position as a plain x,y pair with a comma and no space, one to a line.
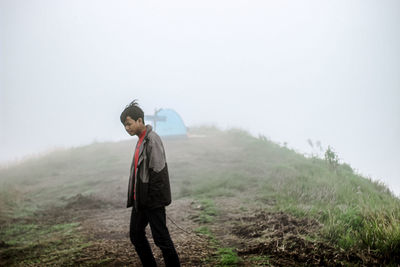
226,185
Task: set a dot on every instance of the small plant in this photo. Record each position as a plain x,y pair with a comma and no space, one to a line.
263,138
332,158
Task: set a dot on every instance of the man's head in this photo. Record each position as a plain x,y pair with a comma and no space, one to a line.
133,118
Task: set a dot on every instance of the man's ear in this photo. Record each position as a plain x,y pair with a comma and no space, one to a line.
139,120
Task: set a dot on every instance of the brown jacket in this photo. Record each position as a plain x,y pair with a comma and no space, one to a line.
152,179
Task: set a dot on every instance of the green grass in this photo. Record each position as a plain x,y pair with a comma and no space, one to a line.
227,257
204,230
343,202
381,234
30,243
207,212
339,198
44,180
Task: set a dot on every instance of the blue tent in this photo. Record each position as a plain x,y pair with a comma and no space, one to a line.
168,123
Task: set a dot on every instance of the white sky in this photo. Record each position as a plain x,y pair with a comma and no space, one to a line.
291,70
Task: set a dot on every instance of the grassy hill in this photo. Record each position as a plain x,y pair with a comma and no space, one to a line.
353,214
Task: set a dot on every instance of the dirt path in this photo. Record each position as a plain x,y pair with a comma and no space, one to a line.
259,237
108,233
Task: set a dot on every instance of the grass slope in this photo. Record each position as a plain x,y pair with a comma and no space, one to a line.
356,213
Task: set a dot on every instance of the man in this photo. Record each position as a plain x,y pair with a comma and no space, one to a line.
149,190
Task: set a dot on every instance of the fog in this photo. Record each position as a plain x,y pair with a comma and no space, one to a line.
290,70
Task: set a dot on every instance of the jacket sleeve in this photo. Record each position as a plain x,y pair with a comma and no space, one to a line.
159,191
156,154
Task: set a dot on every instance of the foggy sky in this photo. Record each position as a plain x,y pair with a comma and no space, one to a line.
290,70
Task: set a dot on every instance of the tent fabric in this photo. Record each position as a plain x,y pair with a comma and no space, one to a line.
172,126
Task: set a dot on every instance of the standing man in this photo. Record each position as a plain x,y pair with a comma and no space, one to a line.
149,190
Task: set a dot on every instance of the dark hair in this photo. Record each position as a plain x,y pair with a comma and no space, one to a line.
132,110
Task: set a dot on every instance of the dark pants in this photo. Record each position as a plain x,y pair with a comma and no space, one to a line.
159,230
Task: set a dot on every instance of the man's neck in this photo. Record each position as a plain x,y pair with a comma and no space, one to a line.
142,130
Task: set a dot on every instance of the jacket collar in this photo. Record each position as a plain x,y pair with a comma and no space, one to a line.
149,128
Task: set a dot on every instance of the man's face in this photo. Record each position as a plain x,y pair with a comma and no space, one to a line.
133,127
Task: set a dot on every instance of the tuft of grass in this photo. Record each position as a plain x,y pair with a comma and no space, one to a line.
224,256
341,227
381,234
227,257
207,212
376,232
204,230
